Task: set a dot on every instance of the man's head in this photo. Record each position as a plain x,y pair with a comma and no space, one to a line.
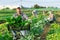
34,12
18,10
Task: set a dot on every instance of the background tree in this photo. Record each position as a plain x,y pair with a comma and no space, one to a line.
7,8
22,6
36,6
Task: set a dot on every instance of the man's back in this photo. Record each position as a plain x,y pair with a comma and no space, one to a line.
35,12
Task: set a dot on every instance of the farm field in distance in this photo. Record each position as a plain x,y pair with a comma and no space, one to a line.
8,12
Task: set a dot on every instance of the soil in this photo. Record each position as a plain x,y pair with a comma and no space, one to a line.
46,30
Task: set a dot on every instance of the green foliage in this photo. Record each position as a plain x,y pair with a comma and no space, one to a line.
54,33
4,34
37,26
17,22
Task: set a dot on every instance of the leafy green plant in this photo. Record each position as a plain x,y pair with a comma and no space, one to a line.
17,22
4,33
54,33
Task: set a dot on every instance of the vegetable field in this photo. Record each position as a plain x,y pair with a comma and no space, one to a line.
39,30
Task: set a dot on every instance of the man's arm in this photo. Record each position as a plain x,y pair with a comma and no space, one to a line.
15,15
25,16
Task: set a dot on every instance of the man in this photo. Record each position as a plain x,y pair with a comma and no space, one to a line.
24,17
19,13
34,13
51,17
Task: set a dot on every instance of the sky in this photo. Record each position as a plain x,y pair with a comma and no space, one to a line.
29,3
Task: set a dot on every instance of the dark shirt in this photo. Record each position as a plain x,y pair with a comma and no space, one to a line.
24,16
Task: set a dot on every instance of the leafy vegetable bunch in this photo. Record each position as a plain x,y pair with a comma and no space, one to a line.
17,22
